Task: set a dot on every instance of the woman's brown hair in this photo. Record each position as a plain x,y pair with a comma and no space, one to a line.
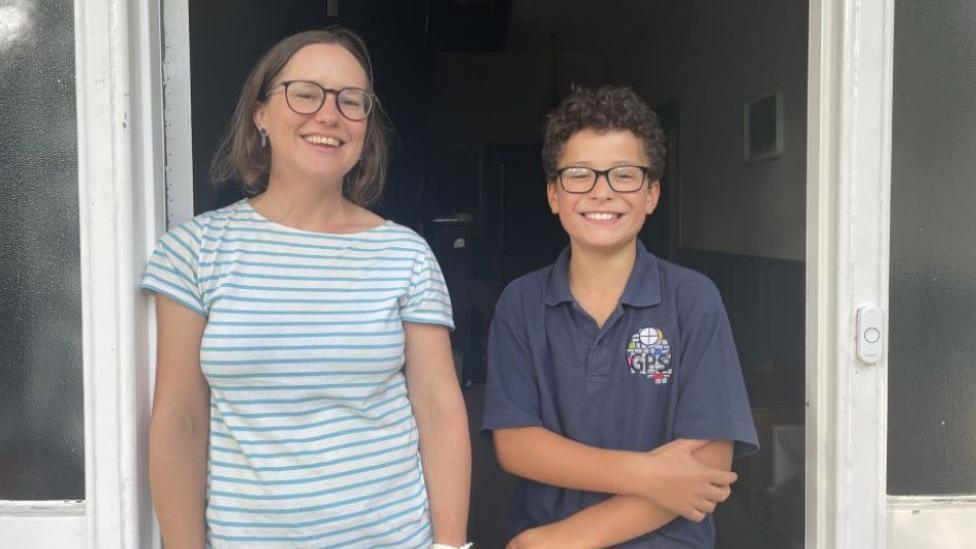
240,154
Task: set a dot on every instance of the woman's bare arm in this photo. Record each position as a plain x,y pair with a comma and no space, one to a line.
445,449
180,427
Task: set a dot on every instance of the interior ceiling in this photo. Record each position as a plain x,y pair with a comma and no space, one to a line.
539,25
576,25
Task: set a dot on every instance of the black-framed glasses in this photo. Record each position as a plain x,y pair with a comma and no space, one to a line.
582,179
305,97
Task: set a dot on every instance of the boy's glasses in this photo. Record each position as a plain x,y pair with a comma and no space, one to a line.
622,179
306,97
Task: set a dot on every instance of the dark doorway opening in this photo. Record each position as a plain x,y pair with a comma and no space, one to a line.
466,84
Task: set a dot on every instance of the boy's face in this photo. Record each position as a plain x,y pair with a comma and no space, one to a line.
603,219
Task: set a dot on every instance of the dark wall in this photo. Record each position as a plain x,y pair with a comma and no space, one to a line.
764,298
226,40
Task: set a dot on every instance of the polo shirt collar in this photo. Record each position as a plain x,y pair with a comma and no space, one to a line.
643,287
558,290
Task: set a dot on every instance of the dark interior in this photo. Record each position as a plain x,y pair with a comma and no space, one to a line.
466,84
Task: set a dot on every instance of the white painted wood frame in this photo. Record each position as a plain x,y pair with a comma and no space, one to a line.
848,211
43,524
119,110
931,522
178,113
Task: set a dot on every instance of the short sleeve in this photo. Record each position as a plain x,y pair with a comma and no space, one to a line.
427,300
173,269
712,402
512,386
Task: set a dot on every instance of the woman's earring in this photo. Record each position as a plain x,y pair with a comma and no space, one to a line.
264,137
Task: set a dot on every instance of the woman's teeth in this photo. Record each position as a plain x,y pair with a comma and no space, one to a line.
320,140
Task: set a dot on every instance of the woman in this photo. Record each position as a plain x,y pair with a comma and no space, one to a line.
290,327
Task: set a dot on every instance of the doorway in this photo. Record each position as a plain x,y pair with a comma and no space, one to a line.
466,85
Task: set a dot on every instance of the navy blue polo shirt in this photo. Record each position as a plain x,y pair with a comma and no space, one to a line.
662,367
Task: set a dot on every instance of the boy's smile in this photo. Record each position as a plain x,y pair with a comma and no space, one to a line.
603,219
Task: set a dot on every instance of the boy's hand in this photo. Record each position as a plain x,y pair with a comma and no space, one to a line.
548,536
677,481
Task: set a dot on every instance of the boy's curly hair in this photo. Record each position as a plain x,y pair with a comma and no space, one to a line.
602,109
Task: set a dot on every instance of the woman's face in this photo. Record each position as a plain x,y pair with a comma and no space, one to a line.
324,145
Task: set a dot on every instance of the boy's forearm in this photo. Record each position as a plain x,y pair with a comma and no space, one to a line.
622,518
619,518
538,454
615,520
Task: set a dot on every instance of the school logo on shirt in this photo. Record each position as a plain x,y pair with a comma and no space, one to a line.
649,355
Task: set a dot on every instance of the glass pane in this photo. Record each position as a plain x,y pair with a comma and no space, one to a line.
41,416
932,376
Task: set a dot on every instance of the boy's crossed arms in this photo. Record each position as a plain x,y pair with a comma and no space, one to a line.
685,477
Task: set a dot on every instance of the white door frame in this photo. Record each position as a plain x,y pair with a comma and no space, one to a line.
121,209
848,211
177,112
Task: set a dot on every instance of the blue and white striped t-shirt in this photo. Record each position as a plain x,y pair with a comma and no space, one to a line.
312,440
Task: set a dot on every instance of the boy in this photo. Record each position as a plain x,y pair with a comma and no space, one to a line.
614,389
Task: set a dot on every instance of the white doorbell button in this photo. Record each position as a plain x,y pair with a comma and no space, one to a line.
870,326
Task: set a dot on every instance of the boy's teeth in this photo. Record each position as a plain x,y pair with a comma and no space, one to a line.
319,140
601,216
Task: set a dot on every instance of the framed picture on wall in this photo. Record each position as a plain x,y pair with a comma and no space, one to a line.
764,126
